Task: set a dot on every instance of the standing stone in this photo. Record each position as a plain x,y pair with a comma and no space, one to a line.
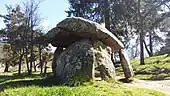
82,58
56,55
75,61
125,62
103,60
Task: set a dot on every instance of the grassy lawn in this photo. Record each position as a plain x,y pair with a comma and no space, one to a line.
155,68
35,85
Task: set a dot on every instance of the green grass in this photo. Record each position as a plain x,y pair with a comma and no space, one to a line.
155,68
35,85
89,90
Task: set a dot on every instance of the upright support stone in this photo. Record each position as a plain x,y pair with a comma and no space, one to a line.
56,55
125,62
103,62
75,62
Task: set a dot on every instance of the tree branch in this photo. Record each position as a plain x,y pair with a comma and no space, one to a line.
146,14
147,48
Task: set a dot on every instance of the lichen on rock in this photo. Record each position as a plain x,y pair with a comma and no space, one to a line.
88,50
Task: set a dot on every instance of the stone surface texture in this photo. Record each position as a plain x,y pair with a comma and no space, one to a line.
125,62
88,51
57,53
103,62
80,60
76,28
75,61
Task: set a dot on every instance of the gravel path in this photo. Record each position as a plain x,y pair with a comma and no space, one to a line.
161,85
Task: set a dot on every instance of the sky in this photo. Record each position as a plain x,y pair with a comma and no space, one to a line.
53,11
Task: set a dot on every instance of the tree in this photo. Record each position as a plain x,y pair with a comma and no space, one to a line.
165,28
46,57
146,9
32,22
21,30
12,33
9,58
127,18
41,46
117,15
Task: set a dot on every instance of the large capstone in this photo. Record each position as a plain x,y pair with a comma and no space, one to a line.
81,59
76,28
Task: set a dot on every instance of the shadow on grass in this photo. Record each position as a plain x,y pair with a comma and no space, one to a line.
4,78
50,81
156,74
37,80
160,77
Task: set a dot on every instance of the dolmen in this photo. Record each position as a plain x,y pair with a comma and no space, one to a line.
84,50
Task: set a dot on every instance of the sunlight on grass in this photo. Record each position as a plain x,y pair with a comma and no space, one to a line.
101,88
155,68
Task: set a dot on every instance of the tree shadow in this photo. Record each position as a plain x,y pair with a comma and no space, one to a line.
156,74
160,77
50,81
4,78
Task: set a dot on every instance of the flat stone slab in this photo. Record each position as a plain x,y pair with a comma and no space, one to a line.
76,28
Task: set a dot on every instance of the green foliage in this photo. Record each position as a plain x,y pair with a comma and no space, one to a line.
166,47
21,33
121,14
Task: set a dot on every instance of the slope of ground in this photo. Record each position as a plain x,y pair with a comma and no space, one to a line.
35,85
155,68
155,74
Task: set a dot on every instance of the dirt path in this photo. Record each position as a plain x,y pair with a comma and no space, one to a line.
161,85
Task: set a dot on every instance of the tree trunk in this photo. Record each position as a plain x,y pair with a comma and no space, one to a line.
19,66
20,61
26,58
41,65
6,68
141,48
45,67
106,14
140,31
150,44
147,48
31,61
32,47
35,70
40,60
79,9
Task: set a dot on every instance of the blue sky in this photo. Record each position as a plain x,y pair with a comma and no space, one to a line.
53,11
